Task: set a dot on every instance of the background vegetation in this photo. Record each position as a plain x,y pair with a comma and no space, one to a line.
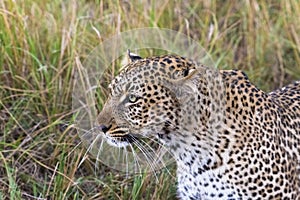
42,41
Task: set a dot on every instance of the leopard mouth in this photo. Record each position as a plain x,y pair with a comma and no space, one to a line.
119,136
126,138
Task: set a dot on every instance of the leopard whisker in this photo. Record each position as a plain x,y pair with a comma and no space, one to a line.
80,142
98,154
135,157
166,150
150,160
160,146
126,161
88,149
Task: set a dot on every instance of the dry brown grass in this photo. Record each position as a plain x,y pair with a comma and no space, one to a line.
40,42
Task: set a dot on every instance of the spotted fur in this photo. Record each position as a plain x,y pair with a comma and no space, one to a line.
230,139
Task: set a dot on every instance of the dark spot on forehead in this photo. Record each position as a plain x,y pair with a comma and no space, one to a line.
167,60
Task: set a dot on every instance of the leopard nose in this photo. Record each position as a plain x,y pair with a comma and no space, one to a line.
104,128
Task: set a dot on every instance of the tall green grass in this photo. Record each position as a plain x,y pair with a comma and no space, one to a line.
42,42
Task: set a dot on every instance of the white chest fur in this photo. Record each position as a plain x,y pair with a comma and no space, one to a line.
206,185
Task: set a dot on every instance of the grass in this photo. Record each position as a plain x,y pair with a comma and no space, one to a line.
42,42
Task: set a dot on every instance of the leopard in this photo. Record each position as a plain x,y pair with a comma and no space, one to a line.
230,139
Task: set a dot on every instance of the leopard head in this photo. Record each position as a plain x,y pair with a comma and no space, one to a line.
151,97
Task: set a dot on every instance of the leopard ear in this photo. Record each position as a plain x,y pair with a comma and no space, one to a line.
129,58
185,87
132,57
200,81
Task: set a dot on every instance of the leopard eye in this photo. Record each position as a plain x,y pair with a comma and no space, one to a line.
132,98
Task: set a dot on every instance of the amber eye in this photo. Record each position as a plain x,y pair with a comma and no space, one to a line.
132,98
